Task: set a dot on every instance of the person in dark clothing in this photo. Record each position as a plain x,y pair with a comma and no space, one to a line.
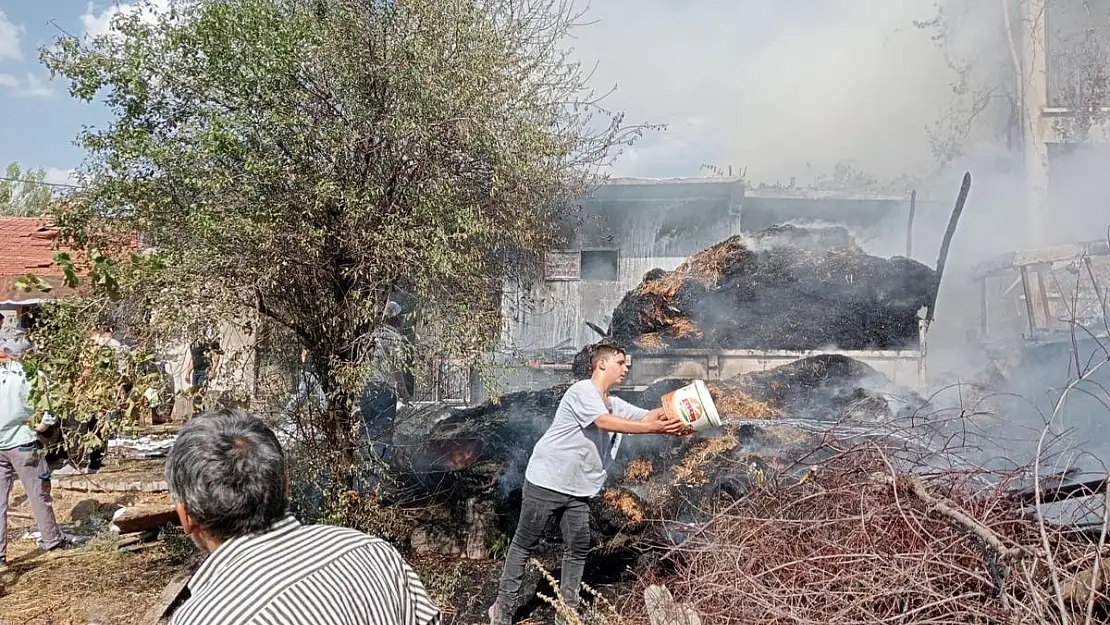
205,356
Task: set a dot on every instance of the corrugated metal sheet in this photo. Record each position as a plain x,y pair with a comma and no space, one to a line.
650,224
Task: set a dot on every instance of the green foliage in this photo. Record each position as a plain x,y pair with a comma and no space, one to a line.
367,514
22,193
76,379
178,546
309,159
32,282
500,547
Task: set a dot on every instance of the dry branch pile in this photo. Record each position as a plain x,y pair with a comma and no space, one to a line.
783,288
845,545
768,522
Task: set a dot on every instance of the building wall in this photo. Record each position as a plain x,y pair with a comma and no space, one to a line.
553,314
1058,179
648,224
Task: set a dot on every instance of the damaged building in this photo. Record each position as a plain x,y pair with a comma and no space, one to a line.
630,227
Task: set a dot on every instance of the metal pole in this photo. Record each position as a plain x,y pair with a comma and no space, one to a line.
961,199
909,224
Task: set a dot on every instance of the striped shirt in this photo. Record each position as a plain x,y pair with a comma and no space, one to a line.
297,574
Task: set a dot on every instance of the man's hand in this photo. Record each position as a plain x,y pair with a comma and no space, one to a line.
666,425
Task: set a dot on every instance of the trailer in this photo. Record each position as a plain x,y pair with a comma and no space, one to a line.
1033,303
905,367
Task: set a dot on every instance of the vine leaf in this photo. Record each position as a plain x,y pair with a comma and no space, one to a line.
69,270
31,282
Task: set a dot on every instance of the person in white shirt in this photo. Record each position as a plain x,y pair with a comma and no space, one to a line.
568,467
20,454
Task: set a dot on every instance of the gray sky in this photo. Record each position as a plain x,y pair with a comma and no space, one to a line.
779,86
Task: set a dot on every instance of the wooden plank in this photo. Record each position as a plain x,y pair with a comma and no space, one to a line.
132,519
175,593
562,265
129,541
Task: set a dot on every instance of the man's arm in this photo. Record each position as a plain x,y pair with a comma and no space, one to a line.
651,424
588,409
624,409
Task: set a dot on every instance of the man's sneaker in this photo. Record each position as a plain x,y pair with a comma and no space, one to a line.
497,616
67,470
68,542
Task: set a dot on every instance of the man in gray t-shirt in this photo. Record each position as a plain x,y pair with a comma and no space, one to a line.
568,467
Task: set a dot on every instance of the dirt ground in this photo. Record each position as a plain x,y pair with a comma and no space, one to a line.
101,584
95,584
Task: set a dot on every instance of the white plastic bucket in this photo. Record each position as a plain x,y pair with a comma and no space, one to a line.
693,404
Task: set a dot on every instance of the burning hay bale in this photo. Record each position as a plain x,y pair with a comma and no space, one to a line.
825,387
486,449
783,288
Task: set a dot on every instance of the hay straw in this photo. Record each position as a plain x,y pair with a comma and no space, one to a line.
638,470
665,287
651,342
682,327
90,584
692,470
706,267
626,503
734,403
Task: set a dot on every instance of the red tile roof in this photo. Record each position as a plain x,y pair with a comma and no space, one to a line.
28,245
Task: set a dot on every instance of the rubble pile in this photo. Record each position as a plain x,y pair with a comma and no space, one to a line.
783,288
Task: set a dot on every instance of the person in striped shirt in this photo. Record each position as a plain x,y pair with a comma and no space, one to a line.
227,476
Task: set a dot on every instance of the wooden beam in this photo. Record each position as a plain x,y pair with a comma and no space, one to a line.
132,519
175,593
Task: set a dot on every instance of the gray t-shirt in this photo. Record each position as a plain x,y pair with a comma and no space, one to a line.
573,454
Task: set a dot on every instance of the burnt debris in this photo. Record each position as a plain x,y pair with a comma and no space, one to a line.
783,288
481,453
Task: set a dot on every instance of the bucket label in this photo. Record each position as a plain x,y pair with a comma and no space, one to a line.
689,410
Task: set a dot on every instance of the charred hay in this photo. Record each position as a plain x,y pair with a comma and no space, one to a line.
783,288
759,522
481,453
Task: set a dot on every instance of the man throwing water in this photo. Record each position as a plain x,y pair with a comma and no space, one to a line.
568,467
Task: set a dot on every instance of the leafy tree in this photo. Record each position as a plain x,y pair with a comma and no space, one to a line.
982,43
22,193
74,375
307,159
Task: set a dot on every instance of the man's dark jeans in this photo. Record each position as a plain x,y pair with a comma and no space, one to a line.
538,507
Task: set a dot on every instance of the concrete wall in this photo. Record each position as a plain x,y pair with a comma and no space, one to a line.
1050,168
